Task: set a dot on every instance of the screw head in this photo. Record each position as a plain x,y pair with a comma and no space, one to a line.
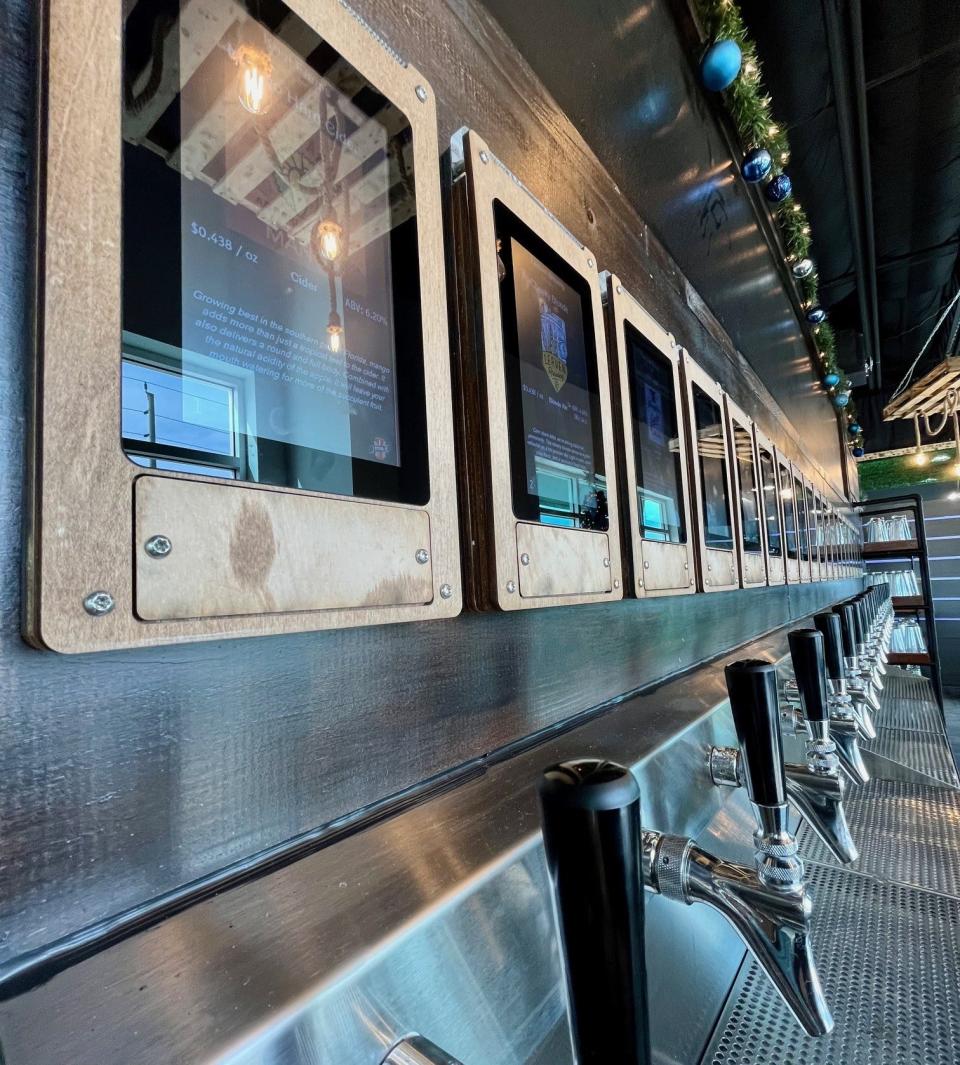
98,603
421,93
158,546
445,591
686,565
484,158
590,263
646,565
606,563
422,556
511,587
709,566
616,582
524,559
619,290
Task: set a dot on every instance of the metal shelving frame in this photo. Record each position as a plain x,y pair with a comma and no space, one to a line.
911,549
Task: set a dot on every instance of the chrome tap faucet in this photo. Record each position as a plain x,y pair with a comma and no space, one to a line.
816,787
845,727
592,831
859,683
768,905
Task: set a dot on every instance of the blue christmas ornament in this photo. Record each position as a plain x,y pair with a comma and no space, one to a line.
720,65
841,399
778,189
831,380
804,268
858,452
756,165
854,428
816,314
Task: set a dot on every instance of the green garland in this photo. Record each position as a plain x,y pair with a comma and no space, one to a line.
751,110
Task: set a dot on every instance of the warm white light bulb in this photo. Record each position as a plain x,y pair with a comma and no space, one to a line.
920,458
255,68
335,337
327,240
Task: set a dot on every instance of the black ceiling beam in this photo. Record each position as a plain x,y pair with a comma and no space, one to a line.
866,179
855,154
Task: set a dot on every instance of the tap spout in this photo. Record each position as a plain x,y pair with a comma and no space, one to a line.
773,922
845,735
818,796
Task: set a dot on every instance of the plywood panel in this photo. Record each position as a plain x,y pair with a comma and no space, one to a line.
244,551
557,562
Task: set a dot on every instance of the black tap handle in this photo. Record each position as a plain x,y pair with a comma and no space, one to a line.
848,628
591,833
857,622
828,625
806,650
752,686
864,612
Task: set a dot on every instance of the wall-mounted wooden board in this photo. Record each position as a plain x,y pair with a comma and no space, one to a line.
774,544
659,566
82,538
498,576
747,510
713,492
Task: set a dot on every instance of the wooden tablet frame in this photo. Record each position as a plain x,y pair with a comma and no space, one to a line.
787,501
718,569
300,560
753,564
657,568
806,569
776,564
513,563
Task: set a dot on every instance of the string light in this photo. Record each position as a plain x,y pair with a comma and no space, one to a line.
255,68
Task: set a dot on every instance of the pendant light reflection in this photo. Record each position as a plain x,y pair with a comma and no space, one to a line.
327,240
254,70
334,332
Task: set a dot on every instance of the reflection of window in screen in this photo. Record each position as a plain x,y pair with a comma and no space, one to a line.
717,531
789,514
173,422
768,485
656,440
802,524
749,509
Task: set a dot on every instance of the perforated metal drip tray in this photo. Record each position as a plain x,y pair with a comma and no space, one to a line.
908,704
906,833
888,958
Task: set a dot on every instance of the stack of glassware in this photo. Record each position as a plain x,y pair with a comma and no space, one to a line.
907,637
882,529
901,581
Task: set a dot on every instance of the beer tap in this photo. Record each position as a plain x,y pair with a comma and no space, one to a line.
591,828
867,650
815,788
845,725
590,812
859,684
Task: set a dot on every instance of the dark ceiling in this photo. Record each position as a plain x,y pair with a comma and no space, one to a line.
871,99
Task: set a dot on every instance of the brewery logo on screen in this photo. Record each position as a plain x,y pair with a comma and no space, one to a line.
379,448
553,345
